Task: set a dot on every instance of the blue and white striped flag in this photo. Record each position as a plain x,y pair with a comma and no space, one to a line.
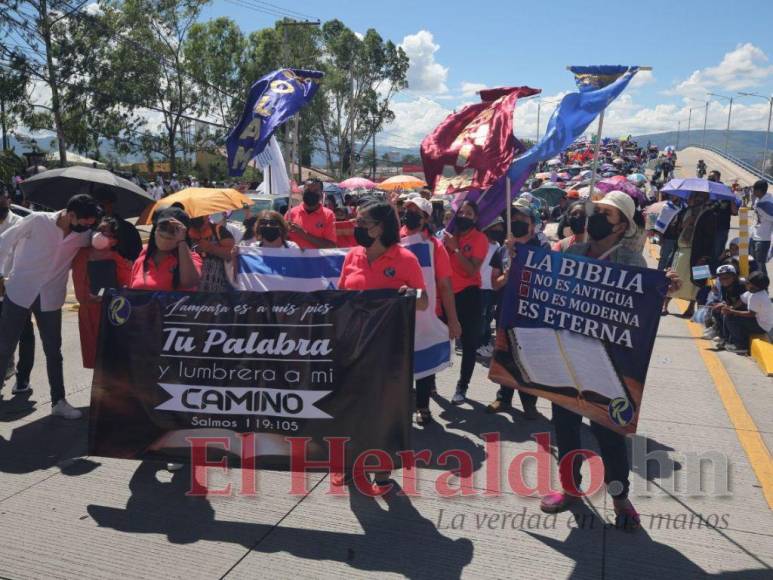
289,269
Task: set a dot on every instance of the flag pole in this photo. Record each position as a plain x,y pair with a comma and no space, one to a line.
508,206
596,154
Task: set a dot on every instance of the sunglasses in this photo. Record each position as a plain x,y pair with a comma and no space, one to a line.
167,227
268,223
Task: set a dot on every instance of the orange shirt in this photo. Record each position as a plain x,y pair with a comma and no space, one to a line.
319,223
394,268
472,244
159,277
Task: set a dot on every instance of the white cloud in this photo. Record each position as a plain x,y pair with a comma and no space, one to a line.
93,9
414,120
359,35
424,74
470,89
746,66
641,78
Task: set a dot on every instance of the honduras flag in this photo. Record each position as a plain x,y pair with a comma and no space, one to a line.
292,269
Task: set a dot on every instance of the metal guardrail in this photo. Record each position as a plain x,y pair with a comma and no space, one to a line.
740,162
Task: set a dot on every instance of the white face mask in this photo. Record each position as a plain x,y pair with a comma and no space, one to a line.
100,241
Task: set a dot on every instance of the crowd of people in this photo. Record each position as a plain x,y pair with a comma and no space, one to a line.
471,265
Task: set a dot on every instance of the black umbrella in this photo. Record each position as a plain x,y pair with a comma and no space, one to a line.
54,187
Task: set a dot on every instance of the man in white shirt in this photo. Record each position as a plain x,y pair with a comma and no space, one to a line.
763,228
37,255
27,339
756,319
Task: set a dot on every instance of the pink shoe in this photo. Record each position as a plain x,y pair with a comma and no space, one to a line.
626,516
554,503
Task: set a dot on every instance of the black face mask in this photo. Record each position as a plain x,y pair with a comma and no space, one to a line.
577,224
519,229
4,212
362,237
269,233
412,220
311,198
79,229
599,226
497,236
464,224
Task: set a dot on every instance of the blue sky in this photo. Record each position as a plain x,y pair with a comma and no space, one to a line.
457,47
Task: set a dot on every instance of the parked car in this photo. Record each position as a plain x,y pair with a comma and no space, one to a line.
20,210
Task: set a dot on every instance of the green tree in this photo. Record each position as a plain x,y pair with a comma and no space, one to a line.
14,104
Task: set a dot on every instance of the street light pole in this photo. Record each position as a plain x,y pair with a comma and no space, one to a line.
729,112
705,118
539,105
678,128
767,132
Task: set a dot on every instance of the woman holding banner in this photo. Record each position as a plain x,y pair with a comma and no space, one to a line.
468,248
380,262
611,222
418,213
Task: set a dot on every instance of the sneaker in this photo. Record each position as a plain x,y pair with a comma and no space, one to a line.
340,479
20,388
498,407
626,516
64,410
710,333
554,503
174,466
736,349
719,344
459,397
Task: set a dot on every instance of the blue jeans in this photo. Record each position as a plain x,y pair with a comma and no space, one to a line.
759,251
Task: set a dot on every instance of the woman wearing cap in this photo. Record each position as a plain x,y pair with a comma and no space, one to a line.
611,222
380,262
467,248
694,246
96,267
418,212
522,228
167,261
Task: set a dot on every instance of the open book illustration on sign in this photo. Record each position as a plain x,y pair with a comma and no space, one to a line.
566,362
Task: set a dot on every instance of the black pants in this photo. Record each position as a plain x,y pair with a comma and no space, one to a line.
468,309
614,452
759,251
528,401
424,388
739,330
12,323
26,352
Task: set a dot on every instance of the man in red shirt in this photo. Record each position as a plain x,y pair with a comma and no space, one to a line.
312,226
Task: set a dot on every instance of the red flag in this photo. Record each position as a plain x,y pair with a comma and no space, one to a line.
471,149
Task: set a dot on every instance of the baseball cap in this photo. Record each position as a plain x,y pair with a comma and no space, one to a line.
424,205
624,203
726,269
171,213
523,207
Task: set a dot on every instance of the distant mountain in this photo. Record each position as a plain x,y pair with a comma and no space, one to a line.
746,145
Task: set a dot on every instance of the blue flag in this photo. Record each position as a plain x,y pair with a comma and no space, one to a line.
272,101
575,112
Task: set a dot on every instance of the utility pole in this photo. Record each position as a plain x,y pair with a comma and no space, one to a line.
292,135
45,28
678,128
767,132
374,156
705,118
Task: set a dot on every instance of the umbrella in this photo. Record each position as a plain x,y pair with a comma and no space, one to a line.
607,167
607,185
683,187
585,174
553,162
564,176
550,195
53,188
329,187
357,183
637,178
617,178
199,202
399,182
543,175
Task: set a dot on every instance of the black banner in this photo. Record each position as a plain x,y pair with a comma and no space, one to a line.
176,365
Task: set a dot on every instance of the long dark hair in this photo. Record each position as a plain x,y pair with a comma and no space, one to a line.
385,214
474,207
151,251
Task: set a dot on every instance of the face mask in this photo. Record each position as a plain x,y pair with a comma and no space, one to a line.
311,198
412,220
599,226
79,228
464,224
362,237
100,241
577,224
519,229
217,219
165,244
269,233
497,236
